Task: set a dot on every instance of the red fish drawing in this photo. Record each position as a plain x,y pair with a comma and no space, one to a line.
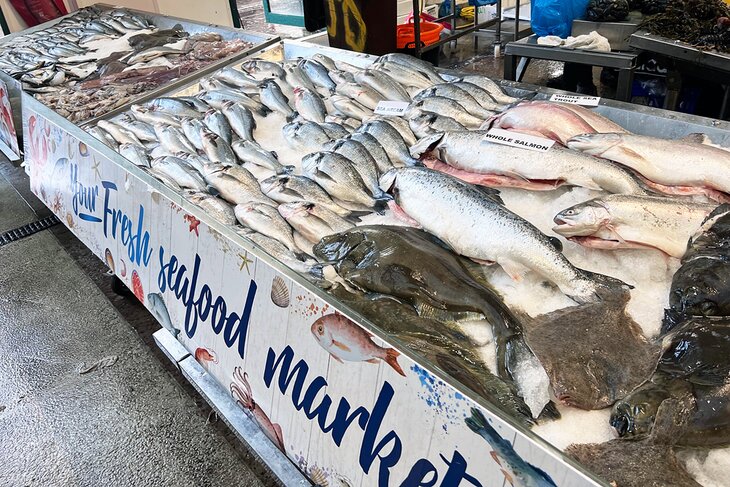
205,355
345,340
241,390
194,222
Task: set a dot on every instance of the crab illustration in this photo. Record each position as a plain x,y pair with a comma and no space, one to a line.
241,391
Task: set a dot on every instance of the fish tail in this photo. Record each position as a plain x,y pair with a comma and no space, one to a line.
292,116
426,144
381,204
391,358
476,422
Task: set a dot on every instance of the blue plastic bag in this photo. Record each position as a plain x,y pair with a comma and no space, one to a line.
555,17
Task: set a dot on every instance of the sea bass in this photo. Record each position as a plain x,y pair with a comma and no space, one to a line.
656,160
478,227
312,221
345,340
622,221
469,157
266,219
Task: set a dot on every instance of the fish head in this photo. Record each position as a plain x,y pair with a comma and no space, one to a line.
291,129
311,161
388,181
338,247
594,144
321,332
581,220
274,183
297,209
633,417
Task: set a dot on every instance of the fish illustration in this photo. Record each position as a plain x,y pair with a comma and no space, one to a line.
241,391
518,472
159,311
345,340
205,355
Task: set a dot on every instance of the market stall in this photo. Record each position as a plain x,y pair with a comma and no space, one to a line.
349,326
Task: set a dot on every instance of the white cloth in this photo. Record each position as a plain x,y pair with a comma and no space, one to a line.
591,42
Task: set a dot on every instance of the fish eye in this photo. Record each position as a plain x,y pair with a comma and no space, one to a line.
320,329
569,212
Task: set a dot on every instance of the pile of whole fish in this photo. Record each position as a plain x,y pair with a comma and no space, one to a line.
94,61
325,200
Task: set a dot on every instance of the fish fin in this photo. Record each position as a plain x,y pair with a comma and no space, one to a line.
482,261
391,358
507,476
515,270
279,435
381,205
630,153
373,361
495,457
336,358
292,117
273,153
491,193
213,191
555,241
697,138
549,412
341,345
285,170
426,144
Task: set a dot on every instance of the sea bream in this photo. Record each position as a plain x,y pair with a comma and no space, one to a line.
656,160
467,156
475,225
622,221
313,221
550,120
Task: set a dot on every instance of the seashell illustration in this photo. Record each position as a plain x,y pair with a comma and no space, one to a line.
83,150
70,220
279,292
318,477
109,259
123,270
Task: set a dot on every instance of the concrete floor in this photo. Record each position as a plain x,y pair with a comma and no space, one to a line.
136,421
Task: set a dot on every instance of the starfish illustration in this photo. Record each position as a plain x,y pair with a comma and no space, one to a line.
95,167
194,222
245,261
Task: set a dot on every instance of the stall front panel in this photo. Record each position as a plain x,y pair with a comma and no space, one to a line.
360,414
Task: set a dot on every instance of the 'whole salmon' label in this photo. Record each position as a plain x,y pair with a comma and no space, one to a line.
588,101
515,139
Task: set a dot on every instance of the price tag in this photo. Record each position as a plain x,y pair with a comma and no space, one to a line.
588,101
393,108
515,139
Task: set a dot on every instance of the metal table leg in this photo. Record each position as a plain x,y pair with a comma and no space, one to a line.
625,84
510,67
521,68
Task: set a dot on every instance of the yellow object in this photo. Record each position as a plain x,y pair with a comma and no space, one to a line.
467,13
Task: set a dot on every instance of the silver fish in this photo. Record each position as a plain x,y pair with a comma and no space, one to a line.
104,137
325,61
143,130
307,137
296,78
192,129
198,162
404,75
446,107
273,98
175,106
215,207
382,160
179,171
361,160
340,77
290,188
136,154
478,227
276,249
155,52
391,140
481,96
349,107
121,135
419,65
309,105
334,130
235,184
621,221
383,84
266,219
318,74
218,98
248,151
262,70
491,87
424,124
236,78
240,119
364,95
217,149
153,117
400,124
313,221
172,139
462,97
218,124
340,179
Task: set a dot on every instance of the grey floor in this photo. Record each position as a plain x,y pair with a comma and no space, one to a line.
135,422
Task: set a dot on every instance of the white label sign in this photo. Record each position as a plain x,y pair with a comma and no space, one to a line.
515,139
588,101
395,108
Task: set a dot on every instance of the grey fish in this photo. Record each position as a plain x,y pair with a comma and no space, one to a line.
423,67
404,75
349,107
262,70
296,78
391,140
236,78
143,130
153,117
155,52
172,139
195,103
424,124
383,84
103,136
175,106
290,188
481,96
309,105
334,130
217,149
277,250
441,204
179,171
218,98
215,207
382,160
272,97
340,77
135,154
248,151
198,162
325,61
120,134
345,122
491,87
364,95
266,220
193,128
448,108
158,309
336,174
307,137
361,160
313,221
240,119
401,125
462,97
317,74
218,124
235,184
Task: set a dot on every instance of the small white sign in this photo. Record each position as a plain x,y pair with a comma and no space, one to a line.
394,108
588,101
516,139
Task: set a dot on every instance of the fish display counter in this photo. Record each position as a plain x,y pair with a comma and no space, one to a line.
101,58
407,276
